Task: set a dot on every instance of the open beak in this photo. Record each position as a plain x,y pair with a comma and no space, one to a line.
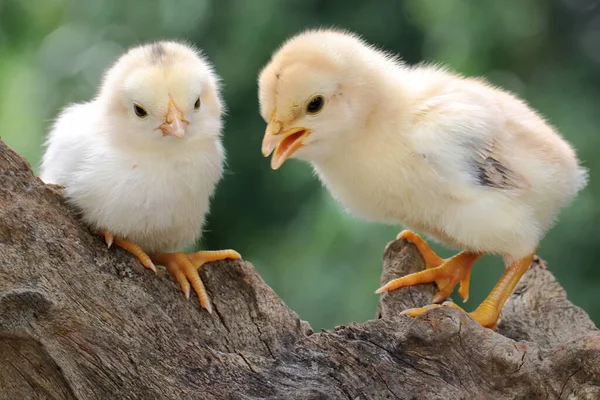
285,143
175,124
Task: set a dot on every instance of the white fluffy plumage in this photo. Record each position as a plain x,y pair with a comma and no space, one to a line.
137,176
466,163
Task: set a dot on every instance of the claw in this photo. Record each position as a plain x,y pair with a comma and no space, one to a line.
108,238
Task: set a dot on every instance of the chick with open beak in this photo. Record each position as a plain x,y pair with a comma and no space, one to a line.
463,161
175,124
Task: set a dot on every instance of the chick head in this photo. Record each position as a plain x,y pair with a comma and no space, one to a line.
315,95
162,94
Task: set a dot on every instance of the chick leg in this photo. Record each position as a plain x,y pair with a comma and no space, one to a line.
489,310
184,269
130,247
446,273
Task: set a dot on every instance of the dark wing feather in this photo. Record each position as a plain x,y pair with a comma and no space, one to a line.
490,171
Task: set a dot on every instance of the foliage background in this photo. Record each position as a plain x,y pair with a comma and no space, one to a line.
324,263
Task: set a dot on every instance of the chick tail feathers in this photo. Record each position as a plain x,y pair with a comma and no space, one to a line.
581,179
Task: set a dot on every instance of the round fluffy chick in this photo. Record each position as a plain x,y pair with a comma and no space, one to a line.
456,158
142,159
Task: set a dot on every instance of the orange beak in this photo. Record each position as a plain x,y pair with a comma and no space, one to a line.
175,124
285,143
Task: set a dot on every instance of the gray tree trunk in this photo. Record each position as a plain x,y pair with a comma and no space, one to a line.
80,321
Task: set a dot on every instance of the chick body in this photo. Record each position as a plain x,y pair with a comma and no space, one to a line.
465,162
434,165
142,159
156,199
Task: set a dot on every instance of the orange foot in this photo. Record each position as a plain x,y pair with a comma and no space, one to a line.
486,318
446,273
130,247
184,269
488,312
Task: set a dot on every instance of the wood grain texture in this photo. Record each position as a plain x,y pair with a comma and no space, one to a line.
80,321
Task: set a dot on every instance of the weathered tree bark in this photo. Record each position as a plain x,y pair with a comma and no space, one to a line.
80,321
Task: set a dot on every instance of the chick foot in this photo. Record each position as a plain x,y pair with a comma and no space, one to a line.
415,312
487,313
486,319
432,260
130,247
446,273
184,269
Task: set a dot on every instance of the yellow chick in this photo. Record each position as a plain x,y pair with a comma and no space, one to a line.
469,164
143,158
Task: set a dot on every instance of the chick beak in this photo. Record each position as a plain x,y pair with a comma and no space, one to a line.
175,124
285,143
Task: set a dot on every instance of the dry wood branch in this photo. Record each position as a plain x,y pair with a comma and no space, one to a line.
79,321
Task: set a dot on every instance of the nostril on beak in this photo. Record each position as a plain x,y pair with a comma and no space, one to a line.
276,127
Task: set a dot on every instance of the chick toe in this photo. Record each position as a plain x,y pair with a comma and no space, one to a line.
184,269
432,260
130,247
451,272
415,312
484,319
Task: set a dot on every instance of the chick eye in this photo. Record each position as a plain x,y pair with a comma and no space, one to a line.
197,104
315,105
139,111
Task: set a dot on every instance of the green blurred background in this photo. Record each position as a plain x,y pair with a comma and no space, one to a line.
324,263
